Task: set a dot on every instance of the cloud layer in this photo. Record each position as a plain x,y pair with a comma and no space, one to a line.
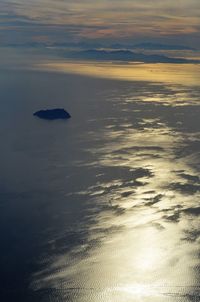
50,21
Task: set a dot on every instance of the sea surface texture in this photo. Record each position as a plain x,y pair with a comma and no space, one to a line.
103,207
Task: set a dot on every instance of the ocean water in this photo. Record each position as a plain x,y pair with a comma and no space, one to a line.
104,206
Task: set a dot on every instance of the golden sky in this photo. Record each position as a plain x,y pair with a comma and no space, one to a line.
101,20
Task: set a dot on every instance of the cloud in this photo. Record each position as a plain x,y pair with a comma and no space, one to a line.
103,19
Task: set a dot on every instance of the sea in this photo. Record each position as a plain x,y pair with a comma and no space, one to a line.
104,206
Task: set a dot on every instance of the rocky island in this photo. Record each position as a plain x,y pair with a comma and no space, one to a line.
52,114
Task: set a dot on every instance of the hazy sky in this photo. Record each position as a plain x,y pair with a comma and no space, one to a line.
23,21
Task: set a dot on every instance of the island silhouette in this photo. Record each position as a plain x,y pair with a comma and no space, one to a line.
52,114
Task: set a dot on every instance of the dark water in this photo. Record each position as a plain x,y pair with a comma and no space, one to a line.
104,206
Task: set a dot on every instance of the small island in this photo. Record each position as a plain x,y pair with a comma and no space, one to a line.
52,114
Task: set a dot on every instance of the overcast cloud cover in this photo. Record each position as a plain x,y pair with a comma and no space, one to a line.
67,21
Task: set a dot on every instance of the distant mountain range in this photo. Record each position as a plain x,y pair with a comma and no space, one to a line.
145,46
124,55
158,46
96,45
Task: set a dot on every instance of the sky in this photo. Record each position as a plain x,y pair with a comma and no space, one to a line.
103,21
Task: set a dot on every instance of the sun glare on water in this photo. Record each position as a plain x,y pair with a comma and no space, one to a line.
187,74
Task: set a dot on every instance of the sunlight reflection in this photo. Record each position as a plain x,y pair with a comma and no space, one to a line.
136,290
149,254
142,235
186,74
